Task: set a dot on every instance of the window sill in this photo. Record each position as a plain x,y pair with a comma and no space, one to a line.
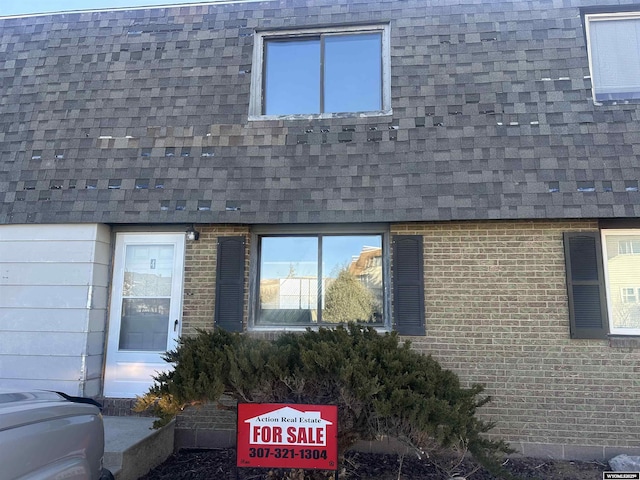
631,342
321,116
303,328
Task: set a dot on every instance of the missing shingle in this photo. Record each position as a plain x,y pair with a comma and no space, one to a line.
169,152
607,186
586,187
554,187
164,205
145,152
232,207
631,186
59,155
55,185
185,152
348,128
29,185
204,205
207,152
181,205
159,183
345,137
91,184
142,183
36,155
114,184
72,184
44,195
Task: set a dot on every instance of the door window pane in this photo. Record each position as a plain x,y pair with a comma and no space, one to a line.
353,73
144,324
148,270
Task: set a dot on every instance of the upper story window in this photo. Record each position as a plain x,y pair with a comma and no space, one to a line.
613,41
321,72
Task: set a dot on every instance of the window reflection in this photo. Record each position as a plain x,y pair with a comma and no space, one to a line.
324,73
351,289
623,272
146,293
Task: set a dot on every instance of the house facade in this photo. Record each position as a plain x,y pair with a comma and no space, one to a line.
465,173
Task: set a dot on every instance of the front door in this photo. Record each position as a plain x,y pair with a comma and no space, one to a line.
145,310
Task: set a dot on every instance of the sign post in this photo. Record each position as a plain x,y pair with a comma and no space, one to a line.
274,435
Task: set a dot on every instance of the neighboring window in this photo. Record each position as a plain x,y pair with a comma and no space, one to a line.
614,55
321,71
316,279
622,276
629,295
629,247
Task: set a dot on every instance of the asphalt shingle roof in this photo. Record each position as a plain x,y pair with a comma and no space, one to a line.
140,116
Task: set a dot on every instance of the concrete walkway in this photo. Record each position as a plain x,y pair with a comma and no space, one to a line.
132,447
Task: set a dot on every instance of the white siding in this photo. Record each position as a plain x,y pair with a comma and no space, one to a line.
53,303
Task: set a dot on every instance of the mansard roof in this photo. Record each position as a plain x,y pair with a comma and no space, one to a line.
141,116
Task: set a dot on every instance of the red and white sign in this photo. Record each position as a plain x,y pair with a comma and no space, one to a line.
287,436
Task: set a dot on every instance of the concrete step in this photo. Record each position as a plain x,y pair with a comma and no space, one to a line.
133,447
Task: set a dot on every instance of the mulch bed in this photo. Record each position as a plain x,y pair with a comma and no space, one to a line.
220,465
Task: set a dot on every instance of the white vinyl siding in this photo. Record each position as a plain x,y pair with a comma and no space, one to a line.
53,306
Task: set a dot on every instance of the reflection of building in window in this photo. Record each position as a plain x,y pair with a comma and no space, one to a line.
629,295
622,265
368,268
289,293
629,247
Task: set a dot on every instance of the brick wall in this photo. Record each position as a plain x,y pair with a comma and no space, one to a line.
200,276
497,314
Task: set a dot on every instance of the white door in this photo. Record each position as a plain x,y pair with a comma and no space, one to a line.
145,310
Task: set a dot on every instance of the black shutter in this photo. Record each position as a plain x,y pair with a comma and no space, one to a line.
408,285
585,285
230,283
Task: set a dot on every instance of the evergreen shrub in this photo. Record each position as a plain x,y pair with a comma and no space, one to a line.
380,385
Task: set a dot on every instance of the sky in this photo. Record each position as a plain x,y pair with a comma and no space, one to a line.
24,7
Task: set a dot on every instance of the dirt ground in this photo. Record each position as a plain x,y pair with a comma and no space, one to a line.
220,465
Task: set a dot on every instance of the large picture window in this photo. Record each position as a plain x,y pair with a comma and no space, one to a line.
321,72
614,55
316,279
622,276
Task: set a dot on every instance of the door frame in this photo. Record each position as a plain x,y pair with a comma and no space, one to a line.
145,363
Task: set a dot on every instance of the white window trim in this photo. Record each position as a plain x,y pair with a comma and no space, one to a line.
595,17
257,69
608,293
284,230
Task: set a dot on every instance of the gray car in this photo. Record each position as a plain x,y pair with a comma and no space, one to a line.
50,436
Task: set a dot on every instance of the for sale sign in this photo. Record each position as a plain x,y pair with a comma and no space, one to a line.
287,436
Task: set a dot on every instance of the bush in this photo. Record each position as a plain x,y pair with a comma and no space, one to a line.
381,387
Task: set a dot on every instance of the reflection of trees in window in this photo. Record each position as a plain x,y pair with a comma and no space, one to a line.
146,284
347,299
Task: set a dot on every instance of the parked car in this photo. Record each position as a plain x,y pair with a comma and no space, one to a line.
50,436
